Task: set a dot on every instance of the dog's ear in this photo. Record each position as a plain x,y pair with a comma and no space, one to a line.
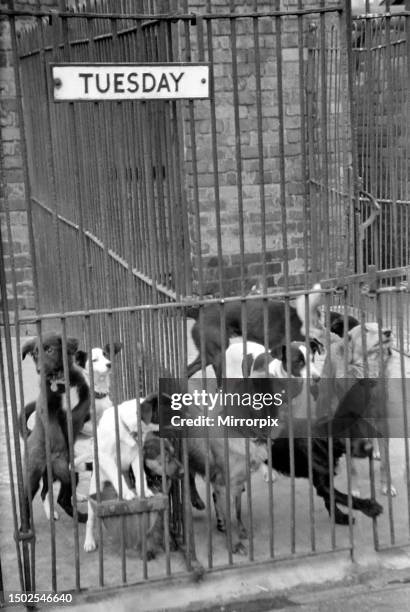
278,351
247,363
316,346
72,346
261,364
337,327
149,407
81,358
28,347
116,348
350,347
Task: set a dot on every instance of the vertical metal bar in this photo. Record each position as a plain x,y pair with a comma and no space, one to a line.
43,414
330,440
91,30
282,182
28,547
215,149
303,144
324,137
400,299
26,573
238,156
353,122
309,432
384,404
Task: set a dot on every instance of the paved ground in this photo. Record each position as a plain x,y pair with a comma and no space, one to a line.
307,535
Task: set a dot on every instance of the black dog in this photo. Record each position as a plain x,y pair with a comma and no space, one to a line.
54,403
254,316
348,422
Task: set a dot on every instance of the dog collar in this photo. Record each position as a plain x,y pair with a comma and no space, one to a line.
99,395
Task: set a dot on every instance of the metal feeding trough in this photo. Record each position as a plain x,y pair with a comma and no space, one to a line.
134,518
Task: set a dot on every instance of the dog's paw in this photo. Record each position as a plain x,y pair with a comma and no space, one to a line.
265,472
385,490
151,554
371,508
90,545
355,493
239,549
341,518
376,454
221,526
198,503
81,498
149,493
47,512
47,509
128,495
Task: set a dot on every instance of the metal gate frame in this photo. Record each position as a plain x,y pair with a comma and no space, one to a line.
107,304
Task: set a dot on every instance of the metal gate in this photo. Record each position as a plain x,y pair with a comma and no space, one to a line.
136,210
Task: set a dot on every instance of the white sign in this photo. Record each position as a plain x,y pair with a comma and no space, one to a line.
130,81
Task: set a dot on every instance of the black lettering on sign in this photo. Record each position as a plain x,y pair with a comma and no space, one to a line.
122,82
132,81
163,83
119,82
99,85
145,82
176,79
85,76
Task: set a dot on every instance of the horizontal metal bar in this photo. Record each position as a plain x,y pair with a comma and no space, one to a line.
140,275
116,507
172,17
393,43
97,38
370,16
382,274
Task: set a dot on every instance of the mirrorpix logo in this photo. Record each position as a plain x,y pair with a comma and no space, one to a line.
245,410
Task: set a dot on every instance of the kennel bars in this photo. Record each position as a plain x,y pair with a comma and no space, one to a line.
147,207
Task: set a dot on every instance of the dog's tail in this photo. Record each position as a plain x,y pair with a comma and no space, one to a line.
192,311
24,416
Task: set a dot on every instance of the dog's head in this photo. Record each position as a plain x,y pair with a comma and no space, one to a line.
155,463
100,363
294,364
337,323
151,404
360,352
52,345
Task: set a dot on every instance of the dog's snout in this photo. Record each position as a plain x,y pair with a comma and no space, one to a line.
108,364
387,333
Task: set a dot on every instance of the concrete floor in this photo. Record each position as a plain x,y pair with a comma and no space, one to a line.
306,538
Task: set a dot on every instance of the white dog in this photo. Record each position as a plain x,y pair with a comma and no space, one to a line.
130,449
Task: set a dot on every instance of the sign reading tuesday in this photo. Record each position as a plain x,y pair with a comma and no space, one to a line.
130,81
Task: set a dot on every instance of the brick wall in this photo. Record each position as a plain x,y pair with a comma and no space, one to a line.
229,179
15,233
